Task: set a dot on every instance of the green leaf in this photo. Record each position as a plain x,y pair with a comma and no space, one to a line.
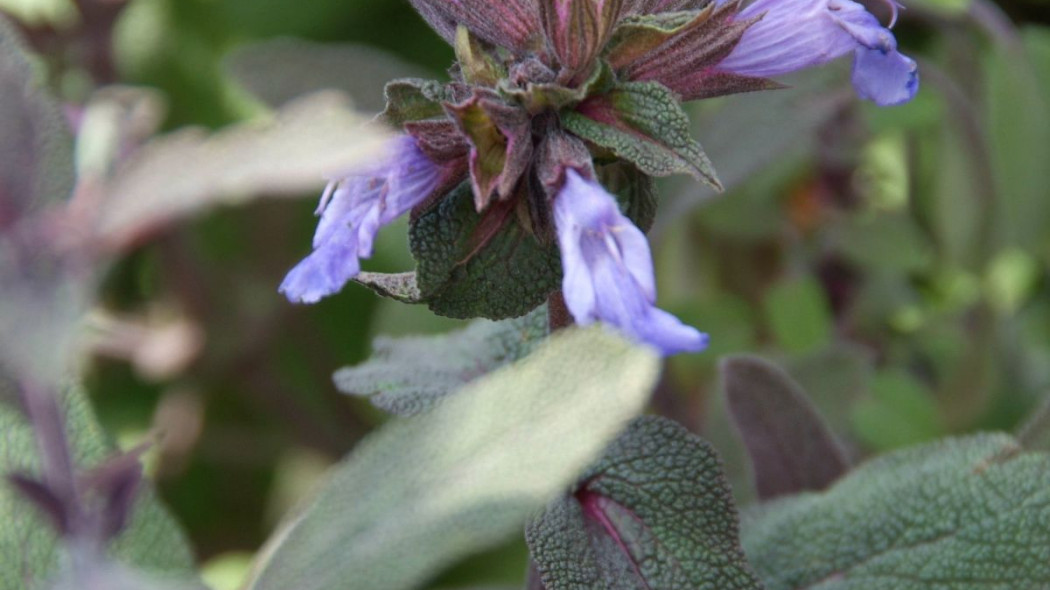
642,123
481,265
901,411
427,490
406,376
29,547
791,448
799,315
36,149
961,514
654,512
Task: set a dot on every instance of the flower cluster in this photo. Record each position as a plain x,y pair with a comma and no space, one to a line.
533,166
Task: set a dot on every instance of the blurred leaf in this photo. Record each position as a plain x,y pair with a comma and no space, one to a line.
280,70
961,514
901,411
36,149
799,316
29,547
406,376
1034,434
427,490
178,175
790,446
891,243
654,512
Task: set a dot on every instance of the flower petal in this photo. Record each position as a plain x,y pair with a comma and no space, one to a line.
885,78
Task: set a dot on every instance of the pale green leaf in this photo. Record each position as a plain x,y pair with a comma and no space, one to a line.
962,514
406,376
654,512
427,490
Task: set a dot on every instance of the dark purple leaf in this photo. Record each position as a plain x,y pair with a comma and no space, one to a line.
791,448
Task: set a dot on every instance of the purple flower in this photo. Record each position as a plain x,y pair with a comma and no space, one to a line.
796,34
352,210
608,269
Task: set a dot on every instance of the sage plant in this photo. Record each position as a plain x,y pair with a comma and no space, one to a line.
533,166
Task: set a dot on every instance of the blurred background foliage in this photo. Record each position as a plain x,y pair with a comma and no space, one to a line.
895,261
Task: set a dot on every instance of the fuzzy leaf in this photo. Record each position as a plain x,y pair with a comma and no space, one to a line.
514,24
791,448
654,512
962,514
399,287
413,99
481,265
427,490
36,149
407,376
578,31
642,123
637,35
29,547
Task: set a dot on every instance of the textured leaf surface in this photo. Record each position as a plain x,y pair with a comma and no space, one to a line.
399,287
654,512
791,448
406,376
413,99
963,514
643,123
427,490
29,552
481,265
308,140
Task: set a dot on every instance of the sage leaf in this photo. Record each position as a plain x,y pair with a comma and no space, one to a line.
643,123
791,447
427,490
654,512
961,514
406,376
29,547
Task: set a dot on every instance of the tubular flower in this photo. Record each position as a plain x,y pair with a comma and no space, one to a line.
498,167
608,269
352,211
795,34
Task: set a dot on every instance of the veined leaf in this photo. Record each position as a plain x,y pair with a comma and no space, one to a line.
427,490
654,512
642,123
961,514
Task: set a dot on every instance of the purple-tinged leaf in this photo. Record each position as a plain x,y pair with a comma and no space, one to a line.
684,54
501,140
654,512
36,149
578,30
658,6
514,24
44,499
476,63
791,448
642,123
